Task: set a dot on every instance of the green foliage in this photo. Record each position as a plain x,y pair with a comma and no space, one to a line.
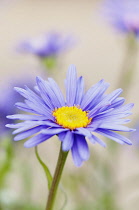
6,162
46,169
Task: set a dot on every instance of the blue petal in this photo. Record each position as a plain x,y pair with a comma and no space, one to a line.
94,92
34,101
67,142
71,85
114,136
23,107
62,136
82,147
26,117
107,100
96,139
43,86
80,91
26,126
35,140
112,116
83,131
53,131
117,102
57,91
75,155
28,133
40,109
30,124
115,127
124,108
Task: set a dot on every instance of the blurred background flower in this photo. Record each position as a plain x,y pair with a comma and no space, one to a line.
47,46
123,15
8,99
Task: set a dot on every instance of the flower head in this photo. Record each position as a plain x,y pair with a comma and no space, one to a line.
123,15
47,45
73,120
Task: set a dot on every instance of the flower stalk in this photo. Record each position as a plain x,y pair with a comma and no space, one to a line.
56,179
129,63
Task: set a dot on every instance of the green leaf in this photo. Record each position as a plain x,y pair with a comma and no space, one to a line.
46,169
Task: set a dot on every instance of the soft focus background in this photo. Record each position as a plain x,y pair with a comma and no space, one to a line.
98,53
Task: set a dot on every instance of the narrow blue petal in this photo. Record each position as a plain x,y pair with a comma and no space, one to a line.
43,87
96,139
115,127
107,100
80,91
35,140
30,124
121,121
13,125
32,97
75,155
71,85
53,131
102,113
50,93
82,147
52,124
117,102
124,108
94,92
28,133
67,142
62,136
22,92
83,131
40,109
23,107
57,91
114,136
112,115
99,121
26,117
27,126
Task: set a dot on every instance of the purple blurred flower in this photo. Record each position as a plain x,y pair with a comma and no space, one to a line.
7,100
80,116
123,15
47,45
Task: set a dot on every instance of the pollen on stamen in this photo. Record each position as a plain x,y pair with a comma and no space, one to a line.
71,117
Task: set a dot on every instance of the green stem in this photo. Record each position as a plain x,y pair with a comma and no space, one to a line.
129,64
56,179
49,62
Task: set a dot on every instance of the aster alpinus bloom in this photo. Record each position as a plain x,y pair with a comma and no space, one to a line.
123,15
74,120
47,45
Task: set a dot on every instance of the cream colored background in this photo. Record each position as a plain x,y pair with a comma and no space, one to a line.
98,54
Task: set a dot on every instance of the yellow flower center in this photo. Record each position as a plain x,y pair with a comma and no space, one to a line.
71,117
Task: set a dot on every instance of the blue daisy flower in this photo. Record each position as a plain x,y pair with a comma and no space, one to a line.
74,120
123,15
